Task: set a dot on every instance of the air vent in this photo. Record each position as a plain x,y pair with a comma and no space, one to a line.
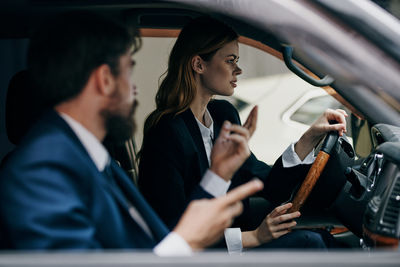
392,212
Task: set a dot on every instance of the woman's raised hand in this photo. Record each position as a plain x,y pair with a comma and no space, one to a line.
230,150
251,121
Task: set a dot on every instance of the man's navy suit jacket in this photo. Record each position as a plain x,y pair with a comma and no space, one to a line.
173,162
52,196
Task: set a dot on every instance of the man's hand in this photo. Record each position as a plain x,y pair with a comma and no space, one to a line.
204,221
275,225
319,128
230,150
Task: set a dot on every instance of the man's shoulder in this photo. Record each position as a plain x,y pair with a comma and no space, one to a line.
47,159
46,142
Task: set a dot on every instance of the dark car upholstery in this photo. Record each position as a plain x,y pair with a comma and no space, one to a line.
23,107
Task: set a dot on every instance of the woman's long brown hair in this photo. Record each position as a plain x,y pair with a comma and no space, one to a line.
202,36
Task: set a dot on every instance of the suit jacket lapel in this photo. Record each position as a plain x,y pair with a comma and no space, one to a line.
157,227
194,131
216,119
217,129
57,121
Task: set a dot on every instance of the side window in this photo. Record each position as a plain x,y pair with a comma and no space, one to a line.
313,107
151,63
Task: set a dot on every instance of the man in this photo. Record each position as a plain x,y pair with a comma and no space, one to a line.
60,189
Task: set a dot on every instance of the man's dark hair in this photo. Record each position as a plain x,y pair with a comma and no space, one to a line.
64,52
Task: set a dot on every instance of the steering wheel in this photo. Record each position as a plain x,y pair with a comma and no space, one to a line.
315,171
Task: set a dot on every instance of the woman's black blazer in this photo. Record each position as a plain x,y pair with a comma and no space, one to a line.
173,161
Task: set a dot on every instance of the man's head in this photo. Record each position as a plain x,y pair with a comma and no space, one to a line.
66,53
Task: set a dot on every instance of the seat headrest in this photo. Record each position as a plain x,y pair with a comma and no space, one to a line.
22,106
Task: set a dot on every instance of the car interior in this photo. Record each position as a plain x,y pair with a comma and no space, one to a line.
357,194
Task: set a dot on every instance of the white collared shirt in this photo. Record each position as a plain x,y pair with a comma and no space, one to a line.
207,133
173,244
211,183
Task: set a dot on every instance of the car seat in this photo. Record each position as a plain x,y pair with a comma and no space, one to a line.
23,106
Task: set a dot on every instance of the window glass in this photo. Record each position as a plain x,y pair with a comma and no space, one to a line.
313,108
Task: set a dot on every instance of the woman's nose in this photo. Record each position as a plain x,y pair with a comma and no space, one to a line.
238,70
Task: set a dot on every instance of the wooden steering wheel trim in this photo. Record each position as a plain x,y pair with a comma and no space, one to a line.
309,182
315,171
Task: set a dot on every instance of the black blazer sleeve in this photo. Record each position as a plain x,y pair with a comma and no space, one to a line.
164,171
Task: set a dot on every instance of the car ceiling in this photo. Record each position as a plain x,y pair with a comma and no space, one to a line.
23,16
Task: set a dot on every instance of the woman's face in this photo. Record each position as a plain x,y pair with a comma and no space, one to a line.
220,73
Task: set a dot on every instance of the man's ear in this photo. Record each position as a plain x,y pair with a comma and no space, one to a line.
105,80
198,64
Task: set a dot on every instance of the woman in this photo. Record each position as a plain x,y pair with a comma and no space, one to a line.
179,134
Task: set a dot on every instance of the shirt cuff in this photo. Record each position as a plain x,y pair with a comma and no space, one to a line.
173,245
213,184
291,159
233,239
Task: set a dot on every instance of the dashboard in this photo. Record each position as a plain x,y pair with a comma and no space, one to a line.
369,204
382,216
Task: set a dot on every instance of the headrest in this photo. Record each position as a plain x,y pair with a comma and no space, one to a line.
22,106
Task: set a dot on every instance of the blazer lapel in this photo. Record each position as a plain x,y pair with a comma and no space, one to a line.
55,120
216,119
191,124
217,129
157,227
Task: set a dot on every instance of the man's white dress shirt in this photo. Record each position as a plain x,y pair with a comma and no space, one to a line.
173,244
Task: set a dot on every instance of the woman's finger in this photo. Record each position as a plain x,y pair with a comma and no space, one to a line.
336,115
340,128
342,111
239,130
251,121
280,209
276,235
285,217
225,130
284,226
240,143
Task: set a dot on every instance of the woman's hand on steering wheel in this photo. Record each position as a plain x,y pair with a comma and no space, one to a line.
310,138
319,128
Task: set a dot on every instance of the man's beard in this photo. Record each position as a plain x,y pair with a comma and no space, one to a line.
119,128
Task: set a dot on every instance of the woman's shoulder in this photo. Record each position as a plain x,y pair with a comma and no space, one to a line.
220,104
167,122
166,128
167,133
221,110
